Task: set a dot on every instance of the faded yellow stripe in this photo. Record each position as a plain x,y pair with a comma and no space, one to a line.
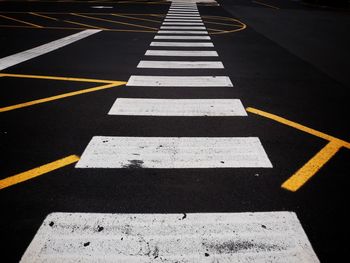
61,96
21,21
30,174
58,78
85,25
113,21
271,6
311,167
47,17
299,126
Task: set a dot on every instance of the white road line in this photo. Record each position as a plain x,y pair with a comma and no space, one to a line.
15,59
183,32
183,17
182,44
181,53
192,237
174,153
179,81
184,37
169,15
183,12
180,23
180,64
183,27
183,20
178,107
179,9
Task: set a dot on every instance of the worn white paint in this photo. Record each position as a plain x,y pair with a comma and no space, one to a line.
174,152
15,59
183,32
183,20
181,64
181,53
184,23
177,107
183,17
192,237
182,44
183,27
184,37
169,15
179,81
183,12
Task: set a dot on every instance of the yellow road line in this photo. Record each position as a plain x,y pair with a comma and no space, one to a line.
47,17
30,174
85,25
20,21
299,126
112,21
57,78
311,167
61,96
271,6
136,18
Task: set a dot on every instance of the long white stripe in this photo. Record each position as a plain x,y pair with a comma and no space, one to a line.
181,44
185,23
174,152
183,20
182,17
179,81
180,64
192,237
12,60
181,53
178,107
180,9
183,27
183,32
184,37
183,12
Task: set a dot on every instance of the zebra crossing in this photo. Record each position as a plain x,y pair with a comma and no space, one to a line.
177,152
193,237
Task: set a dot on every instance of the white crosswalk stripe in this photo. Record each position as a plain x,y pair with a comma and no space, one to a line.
192,237
181,53
178,107
181,44
183,37
179,81
180,64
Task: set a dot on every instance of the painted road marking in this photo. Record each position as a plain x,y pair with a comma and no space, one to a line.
184,37
20,21
15,59
184,32
180,23
183,27
179,81
181,44
60,96
174,152
178,107
306,172
19,178
192,237
181,53
180,64
182,20
182,15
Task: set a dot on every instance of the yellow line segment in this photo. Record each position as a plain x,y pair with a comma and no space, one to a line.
271,6
57,78
298,126
47,17
311,167
30,174
61,96
24,22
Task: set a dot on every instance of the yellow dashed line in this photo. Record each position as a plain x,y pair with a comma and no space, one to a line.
306,172
30,174
271,6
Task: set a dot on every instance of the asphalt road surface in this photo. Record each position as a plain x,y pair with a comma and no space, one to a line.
119,117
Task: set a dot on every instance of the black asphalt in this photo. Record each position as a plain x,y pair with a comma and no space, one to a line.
269,72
